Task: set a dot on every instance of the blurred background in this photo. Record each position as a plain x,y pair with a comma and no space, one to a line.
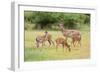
50,20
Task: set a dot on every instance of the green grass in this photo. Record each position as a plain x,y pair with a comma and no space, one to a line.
31,53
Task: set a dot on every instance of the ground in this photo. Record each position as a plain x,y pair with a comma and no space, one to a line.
31,53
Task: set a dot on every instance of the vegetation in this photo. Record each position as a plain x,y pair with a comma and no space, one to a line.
37,22
50,20
49,53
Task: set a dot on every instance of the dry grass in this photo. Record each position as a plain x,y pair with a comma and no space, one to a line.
49,53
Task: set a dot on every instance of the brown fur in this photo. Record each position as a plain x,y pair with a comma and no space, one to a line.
75,35
43,39
63,42
76,39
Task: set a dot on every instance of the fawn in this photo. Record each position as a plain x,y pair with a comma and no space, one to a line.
63,42
42,39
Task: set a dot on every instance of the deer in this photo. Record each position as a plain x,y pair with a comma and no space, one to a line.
76,39
42,39
62,41
75,35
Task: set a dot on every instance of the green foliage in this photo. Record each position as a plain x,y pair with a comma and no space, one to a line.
48,20
44,19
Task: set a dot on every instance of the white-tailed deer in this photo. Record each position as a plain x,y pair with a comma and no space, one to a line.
75,35
62,41
43,39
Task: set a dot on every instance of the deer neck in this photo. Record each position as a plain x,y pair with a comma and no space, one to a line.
46,34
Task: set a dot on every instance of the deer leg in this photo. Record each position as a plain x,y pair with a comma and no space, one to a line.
79,42
43,43
76,43
52,42
49,42
73,42
37,44
69,49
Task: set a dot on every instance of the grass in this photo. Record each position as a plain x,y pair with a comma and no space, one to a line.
31,53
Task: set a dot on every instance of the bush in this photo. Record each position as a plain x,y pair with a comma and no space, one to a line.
45,20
